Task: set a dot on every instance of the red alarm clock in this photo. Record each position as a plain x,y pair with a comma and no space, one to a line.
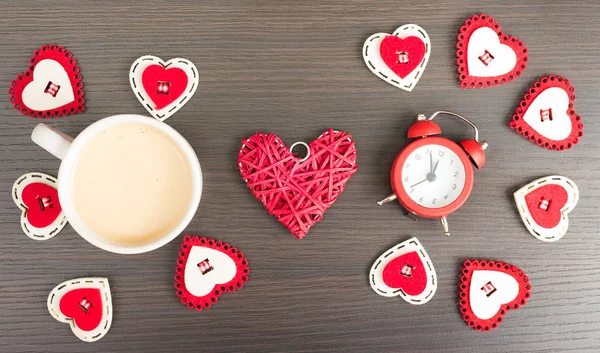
432,176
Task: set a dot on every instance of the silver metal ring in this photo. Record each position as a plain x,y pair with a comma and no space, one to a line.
303,144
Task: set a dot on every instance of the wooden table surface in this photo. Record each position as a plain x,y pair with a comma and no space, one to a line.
295,69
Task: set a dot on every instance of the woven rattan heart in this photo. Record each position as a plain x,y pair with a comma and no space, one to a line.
297,192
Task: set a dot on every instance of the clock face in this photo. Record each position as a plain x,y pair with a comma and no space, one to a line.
433,176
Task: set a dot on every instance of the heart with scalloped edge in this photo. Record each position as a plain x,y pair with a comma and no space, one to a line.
486,56
297,191
544,205
85,304
50,87
488,290
546,115
207,268
406,271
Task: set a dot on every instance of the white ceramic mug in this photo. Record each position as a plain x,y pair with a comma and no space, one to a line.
68,149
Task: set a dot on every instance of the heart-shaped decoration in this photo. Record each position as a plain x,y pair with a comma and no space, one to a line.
486,56
547,116
406,271
400,58
50,87
488,290
297,191
544,205
85,304
36,195
163,87
207,268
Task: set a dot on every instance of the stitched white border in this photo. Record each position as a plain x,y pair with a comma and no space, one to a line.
31,231
376,64
547,234
92,282
410,245
135,79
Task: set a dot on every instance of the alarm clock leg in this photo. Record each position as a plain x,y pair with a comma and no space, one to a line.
444,221
387,199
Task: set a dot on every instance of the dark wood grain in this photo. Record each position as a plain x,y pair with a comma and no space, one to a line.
295,69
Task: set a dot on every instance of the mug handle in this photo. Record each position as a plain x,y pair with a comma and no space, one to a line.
54,141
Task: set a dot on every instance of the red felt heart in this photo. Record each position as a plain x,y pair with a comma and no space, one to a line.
563,108
485,284
63,57
402,55
84,306
164,85
208,266
43,206
557,197
297,192
469,80
412,281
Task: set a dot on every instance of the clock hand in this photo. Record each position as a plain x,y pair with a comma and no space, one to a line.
422,181
435,167
430,162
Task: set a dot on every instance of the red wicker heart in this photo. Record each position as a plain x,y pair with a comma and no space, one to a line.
297,192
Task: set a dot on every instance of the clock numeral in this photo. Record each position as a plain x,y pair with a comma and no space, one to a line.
446,197
441,154
411,190
455,174
433,201
418,156
406,179
452,161
454,187
407,165
421,199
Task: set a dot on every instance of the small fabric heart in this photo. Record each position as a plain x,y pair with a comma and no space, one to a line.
486,56
544,205
163,87
36,195
50,87
488,290
207,268
547,116
399,58
85,304
406,271
297,191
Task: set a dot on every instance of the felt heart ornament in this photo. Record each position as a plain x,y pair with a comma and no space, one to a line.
547,116
207,268
36,195
406,271
50,87
400,58
486,56
544,205
85,304
297,191
163,87
488,290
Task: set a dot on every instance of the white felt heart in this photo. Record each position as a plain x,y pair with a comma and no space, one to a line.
206,268
486,56
375,63
135,78
50,88
489,291
547,114
558,231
